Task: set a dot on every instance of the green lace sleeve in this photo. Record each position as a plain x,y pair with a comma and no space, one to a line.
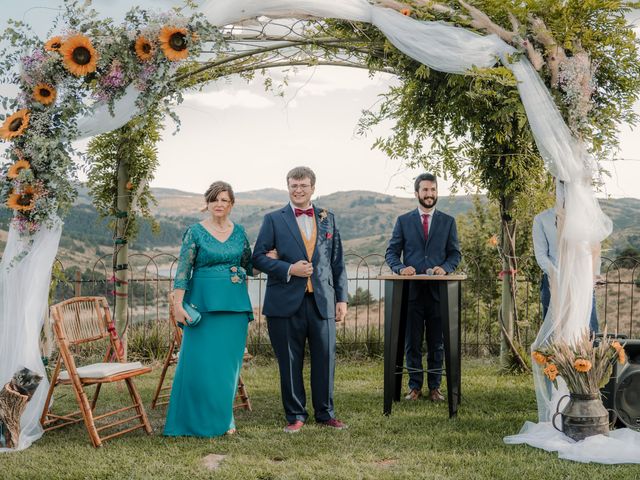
186,260
245,260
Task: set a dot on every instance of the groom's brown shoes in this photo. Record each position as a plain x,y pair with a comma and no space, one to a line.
414,394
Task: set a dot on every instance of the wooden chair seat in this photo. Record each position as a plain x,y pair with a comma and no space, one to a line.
84,320
106,370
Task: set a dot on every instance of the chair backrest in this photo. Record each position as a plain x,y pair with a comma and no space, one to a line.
177,331
81,319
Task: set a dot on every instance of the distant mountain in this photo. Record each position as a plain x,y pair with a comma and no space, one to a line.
625,215
365,220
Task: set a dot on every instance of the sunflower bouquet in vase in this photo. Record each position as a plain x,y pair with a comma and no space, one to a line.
586,367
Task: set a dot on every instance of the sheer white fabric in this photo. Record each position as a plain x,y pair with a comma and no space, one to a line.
24,292
100,119
620,446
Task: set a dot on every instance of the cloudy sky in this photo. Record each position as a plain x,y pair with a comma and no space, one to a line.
239,133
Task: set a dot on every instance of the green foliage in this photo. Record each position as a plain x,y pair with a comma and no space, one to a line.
628,258
48,183
361,297
473,128
135,145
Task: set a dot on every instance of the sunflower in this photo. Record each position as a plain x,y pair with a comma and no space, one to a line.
174,43
16,168
551,372
24,201
53,44
616,346
144,48
45,94
582,365
79,56
540,358
15,125
493,241
406,12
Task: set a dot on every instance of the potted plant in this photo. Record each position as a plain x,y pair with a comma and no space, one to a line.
585,365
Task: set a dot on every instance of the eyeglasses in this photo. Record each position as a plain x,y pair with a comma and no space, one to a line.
295,186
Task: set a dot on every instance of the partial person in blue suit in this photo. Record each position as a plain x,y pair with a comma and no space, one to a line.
424,241
545,247
306,295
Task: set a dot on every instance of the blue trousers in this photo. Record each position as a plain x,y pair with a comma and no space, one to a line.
424,320
288,337
545,298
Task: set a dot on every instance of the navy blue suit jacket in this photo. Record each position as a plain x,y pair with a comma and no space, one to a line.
280,231
441,248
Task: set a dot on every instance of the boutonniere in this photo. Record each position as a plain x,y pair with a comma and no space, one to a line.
323,215
329,235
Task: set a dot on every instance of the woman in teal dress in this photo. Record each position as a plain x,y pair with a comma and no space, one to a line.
212,277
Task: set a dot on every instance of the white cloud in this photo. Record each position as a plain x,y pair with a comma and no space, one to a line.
226,99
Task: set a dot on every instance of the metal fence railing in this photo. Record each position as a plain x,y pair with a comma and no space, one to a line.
151,278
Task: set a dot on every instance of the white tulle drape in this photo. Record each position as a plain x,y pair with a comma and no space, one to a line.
442,47
24,287
24,293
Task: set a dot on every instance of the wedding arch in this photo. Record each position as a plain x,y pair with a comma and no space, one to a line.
96,77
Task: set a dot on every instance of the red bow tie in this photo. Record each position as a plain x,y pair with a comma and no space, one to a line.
308,212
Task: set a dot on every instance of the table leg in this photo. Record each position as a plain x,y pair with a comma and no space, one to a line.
450,315
393,341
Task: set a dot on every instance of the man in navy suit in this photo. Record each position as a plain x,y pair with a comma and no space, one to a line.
306,295
427,240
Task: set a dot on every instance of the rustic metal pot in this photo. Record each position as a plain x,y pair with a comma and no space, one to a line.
583,416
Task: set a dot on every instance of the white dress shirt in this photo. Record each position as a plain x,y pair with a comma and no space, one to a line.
305,222
545,239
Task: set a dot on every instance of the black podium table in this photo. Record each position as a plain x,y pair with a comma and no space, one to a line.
396,296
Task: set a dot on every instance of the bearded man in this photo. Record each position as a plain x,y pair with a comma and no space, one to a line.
424,242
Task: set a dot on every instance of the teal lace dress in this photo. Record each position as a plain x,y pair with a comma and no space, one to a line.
214,277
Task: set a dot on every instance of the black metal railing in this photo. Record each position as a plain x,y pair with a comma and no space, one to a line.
151,278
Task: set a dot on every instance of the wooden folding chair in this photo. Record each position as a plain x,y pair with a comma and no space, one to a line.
242,397
79,321
163,392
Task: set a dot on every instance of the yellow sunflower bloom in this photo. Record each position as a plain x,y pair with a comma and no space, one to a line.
79,56
551,372
15,125
45,94
540,358
53,44
616,346
406,12
17,167
173,42
24,201
582,365
144,48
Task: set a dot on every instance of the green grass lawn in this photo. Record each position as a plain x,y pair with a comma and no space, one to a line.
416,441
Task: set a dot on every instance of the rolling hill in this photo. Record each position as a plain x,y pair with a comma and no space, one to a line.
365,220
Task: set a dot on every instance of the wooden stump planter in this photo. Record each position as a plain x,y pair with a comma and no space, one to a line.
12,405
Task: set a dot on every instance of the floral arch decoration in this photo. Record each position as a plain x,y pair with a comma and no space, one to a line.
95,77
